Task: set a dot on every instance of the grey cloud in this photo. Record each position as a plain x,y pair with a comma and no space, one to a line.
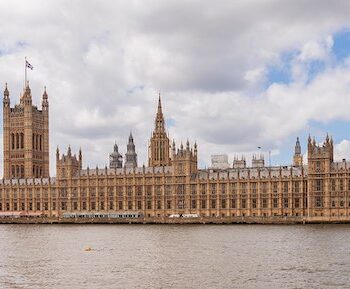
92,55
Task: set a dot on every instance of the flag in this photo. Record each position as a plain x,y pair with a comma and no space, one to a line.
259,148
29,65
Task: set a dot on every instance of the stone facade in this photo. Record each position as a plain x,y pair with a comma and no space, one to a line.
173,184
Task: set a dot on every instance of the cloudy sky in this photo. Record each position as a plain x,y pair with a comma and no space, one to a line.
233,75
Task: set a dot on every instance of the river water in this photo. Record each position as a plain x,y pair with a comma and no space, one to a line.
175,256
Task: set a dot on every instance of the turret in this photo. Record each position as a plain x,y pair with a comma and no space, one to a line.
68,165
6,133
298,158
131,156
6,102
239,163
27,96
57,154
80,158
258,161
6,99
45,102
184,161
115,158
320,157
173,149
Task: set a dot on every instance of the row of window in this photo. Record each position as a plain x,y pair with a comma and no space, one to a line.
203,204
17,141
150,205
17,171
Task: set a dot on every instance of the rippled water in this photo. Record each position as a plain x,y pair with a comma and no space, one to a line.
173,256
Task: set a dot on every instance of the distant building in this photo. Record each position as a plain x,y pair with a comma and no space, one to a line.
131,156
298,157
258,161
239,163
115,158
219,162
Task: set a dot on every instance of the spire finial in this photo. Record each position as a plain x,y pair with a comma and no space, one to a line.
159,103
6,91
297,149
45,94
27,89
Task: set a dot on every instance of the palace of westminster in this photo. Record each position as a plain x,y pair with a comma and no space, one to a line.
170,184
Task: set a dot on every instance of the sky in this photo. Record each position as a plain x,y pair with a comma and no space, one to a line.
233,75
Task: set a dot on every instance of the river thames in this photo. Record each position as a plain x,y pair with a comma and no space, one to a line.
175,256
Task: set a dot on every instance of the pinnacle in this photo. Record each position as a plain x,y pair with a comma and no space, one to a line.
159,104
45,93
6,91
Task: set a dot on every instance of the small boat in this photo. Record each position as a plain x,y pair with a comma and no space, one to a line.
88,249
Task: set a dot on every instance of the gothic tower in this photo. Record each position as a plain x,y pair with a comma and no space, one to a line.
115,158
25,137
320,159
159,148
298,157
131,156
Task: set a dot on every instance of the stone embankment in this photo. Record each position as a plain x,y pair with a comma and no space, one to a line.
165,220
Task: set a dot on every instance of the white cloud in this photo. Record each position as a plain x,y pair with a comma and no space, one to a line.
314,50
342,150
103,64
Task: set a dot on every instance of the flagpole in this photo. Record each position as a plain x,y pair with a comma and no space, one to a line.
25,72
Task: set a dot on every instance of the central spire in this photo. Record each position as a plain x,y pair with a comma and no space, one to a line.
159,104
159,149
159,122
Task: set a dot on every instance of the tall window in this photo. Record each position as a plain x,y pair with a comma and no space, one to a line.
296,187
254,203
275,203
296,202
333,185
254,186
318,202
275,187
319,185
